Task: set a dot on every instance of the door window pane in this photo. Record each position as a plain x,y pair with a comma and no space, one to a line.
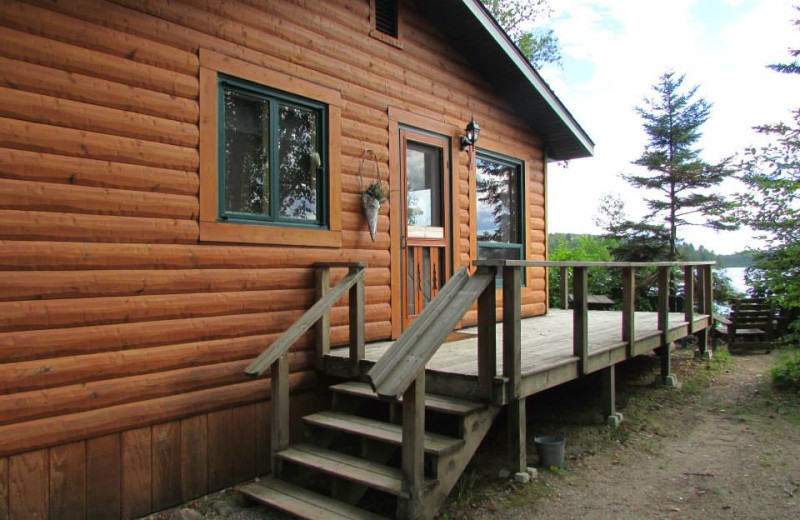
498,200
246,151
424,186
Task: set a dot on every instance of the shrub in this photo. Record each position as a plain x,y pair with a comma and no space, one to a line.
785,373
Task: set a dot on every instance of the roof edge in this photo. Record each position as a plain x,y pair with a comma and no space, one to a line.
482,14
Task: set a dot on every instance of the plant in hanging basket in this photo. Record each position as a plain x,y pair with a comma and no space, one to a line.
371,200
374,195
376,191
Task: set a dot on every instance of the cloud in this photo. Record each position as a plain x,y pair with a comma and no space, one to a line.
622,47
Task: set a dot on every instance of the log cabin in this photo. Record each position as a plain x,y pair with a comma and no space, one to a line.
181,181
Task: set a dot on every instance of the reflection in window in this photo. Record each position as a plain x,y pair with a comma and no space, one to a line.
499,199
272,157
299,163
246,156
498,190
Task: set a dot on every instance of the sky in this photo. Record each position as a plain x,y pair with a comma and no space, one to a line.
615,50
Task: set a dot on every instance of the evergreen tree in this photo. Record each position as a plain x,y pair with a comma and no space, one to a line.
539,46
633,241
684,183
772,204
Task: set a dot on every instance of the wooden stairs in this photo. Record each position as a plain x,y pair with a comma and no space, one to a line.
349,465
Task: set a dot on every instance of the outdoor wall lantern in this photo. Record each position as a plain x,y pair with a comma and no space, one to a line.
473,131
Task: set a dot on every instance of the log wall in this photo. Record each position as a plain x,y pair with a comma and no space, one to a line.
123,336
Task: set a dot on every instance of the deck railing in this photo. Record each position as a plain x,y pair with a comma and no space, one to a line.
700,295
276,356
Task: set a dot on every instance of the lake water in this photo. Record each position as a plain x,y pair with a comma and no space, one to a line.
736,274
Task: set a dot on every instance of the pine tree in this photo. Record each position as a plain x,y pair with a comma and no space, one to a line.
539,46
772,204
684,183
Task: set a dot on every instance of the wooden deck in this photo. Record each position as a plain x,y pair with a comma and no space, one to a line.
547,350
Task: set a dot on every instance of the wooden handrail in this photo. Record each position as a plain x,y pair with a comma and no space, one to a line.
548,263
276,356
301,326
398,367
400,372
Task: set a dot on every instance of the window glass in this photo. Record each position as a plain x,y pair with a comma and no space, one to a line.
497,186
246,154
272,154
499,253
300,162
424,185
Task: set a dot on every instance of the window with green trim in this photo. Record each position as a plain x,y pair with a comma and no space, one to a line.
272,156
500,207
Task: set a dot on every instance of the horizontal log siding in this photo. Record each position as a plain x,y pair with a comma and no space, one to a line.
122,336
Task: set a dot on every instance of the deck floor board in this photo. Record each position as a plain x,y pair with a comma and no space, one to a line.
546,342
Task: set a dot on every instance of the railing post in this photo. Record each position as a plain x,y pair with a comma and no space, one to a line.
357,339
580,317
688,296
323,325
487,337
279,411
708,301
413,452
512,368
629,308
564,288
708,291
663,325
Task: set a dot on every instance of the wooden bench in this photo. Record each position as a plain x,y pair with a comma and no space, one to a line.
751,323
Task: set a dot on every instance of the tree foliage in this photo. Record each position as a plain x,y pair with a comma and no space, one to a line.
772,204
583,248
539,46
633,241
684,183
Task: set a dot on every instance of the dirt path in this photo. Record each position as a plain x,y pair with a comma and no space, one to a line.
731,451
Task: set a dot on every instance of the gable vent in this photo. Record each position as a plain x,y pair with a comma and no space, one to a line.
386,17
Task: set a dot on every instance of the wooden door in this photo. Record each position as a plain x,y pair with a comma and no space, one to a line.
425,171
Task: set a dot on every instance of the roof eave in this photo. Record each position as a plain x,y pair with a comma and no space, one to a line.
562,135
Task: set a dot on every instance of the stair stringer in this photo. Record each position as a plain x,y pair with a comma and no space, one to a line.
450,467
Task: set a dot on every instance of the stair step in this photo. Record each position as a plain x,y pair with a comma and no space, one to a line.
302,502
355,469
390,433
437,403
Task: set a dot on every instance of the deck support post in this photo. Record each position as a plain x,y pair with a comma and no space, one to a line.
629,309
689,293
609,396
667,377
323,325
512,369
688,296
413,456
279,411
580,320
487,338
708,296
357,340
563,288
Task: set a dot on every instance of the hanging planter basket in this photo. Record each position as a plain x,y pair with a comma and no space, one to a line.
373,195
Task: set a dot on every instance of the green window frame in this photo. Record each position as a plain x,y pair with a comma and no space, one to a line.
511,239
276,208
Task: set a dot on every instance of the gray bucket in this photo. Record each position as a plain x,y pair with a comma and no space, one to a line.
550,449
